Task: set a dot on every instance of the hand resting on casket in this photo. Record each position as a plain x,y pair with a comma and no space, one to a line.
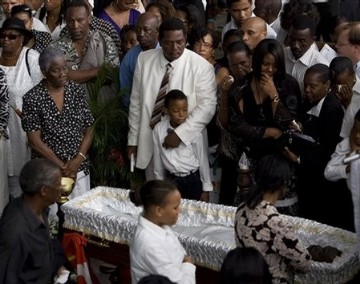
323,254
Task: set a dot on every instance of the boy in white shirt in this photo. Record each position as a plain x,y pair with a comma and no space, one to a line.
187,165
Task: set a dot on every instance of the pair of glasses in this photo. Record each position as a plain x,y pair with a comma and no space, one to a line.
10,36
199,44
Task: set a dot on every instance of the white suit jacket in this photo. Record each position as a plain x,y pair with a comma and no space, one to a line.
191,74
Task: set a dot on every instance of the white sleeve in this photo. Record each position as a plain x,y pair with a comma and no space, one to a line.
200,148
348,120
159,170
157,259
135,106
336,169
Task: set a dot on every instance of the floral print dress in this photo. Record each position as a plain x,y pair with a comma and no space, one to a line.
264,229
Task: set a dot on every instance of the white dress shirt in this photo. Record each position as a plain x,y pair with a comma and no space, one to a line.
183,159
315,110
336,170
157,250
351,110
357,69
270,32
191,74
298,67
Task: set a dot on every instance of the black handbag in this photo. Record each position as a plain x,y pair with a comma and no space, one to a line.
296,142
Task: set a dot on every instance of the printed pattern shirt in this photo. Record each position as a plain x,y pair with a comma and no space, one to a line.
264,229
62,131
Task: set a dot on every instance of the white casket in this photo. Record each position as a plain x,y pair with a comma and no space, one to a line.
205,230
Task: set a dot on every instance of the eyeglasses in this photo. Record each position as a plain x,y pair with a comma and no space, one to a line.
204,44
10,36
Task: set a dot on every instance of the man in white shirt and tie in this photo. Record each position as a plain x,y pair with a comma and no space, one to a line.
190,73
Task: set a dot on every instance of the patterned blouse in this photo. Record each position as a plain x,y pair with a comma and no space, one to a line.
62,131
42,40
4,104
264,229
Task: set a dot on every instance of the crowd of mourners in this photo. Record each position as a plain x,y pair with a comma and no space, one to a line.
256,100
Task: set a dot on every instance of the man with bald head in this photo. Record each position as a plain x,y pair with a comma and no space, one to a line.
147,32
240,10
254,30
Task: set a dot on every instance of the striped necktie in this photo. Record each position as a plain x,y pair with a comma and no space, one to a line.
159,103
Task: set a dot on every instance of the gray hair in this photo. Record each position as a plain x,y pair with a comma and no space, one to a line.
36,174
47,56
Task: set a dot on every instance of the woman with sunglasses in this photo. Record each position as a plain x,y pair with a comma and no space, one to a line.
40,39
22,70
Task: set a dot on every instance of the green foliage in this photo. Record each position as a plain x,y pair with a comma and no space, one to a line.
110,166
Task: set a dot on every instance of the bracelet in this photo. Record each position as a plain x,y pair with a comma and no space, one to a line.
82,155
275,99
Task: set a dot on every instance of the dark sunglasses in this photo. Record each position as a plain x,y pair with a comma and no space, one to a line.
10,37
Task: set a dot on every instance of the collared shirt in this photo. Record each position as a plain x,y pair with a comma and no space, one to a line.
270,32
26,254
96,41
357,69
182,159
351,110
298,67
127,69
191,74
62,131
315,111
157,250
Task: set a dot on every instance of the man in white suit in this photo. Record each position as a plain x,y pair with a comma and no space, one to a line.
190,73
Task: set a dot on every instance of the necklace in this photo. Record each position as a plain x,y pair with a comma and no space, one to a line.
118,16
7,57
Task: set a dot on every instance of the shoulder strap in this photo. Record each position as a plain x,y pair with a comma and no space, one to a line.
27,61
